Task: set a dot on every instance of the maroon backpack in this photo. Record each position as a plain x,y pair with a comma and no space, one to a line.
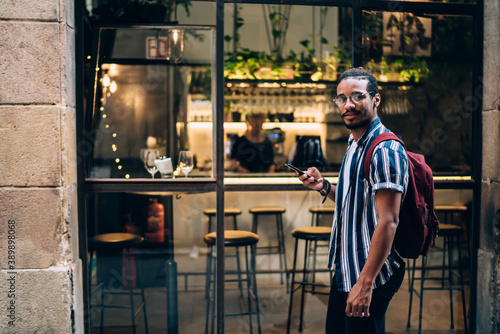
418,224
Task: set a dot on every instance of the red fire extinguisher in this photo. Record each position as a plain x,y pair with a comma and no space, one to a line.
155,222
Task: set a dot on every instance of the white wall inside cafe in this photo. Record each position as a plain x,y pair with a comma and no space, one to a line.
253,32
190,224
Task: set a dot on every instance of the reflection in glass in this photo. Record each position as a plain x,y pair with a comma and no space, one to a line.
145,222
143,102
425,79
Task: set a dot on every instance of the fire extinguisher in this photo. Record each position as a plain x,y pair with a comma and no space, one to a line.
156,222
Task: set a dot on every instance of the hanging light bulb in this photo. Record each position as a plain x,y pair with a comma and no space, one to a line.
175,47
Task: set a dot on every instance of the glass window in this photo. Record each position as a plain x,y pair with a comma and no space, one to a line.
133,249
149,98
148,84
281,64
147,12
424,68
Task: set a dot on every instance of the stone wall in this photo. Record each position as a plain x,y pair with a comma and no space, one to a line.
488,299
40,270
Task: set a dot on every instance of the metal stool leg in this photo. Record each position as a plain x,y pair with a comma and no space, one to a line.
102,305
208,295
305,278
214,291
445,249
292,287
249,296
280,244
255,292
461,282
254,222
281,240
422,279
209,224
143,296
238,265
411,281
450,277
131,291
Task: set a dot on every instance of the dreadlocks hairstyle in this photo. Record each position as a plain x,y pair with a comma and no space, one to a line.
360,73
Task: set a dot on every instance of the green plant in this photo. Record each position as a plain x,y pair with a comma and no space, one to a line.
243,64
238,23
412,69
276,27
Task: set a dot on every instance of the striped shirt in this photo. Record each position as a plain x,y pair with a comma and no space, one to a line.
356,216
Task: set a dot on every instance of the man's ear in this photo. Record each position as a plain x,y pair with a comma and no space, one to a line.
376,100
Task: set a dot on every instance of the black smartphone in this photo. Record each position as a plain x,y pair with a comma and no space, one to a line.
301,172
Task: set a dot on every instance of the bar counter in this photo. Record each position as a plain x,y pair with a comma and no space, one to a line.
202,181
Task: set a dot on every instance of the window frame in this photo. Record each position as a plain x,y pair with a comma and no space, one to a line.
216,184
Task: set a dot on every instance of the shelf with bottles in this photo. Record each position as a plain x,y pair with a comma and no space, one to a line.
282,101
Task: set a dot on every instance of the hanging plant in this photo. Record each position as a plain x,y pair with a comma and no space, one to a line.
276,19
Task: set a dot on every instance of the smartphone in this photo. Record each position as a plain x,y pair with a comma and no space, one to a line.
301,172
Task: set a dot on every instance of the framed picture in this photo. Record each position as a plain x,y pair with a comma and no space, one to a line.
406,35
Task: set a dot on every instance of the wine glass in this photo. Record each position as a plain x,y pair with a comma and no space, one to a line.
149,162
186,162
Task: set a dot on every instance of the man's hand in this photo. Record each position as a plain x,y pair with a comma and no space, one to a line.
359,299
312,179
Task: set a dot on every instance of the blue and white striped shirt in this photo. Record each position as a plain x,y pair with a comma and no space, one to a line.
356,216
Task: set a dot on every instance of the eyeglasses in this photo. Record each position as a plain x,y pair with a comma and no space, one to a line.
341,100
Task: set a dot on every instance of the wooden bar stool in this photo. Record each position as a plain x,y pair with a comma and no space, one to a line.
451,235
449,212
228,212
316,213
309,235
234,239
112,243
278,249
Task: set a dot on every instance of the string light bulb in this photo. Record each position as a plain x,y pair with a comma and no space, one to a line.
106,80
113,87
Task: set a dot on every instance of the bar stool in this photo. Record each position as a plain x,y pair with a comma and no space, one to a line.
228,212
451,235
279,249
449,211
316,213
309,235
112,242
234,239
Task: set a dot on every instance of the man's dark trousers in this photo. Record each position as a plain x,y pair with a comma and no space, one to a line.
337,322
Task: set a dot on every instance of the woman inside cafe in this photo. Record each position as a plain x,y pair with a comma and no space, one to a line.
253,152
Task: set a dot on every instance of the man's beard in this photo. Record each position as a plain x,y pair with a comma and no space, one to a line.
353,126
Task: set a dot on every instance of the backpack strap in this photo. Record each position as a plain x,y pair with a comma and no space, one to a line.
380,138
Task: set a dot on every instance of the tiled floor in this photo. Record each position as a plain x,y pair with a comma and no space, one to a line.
273,302
274,307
